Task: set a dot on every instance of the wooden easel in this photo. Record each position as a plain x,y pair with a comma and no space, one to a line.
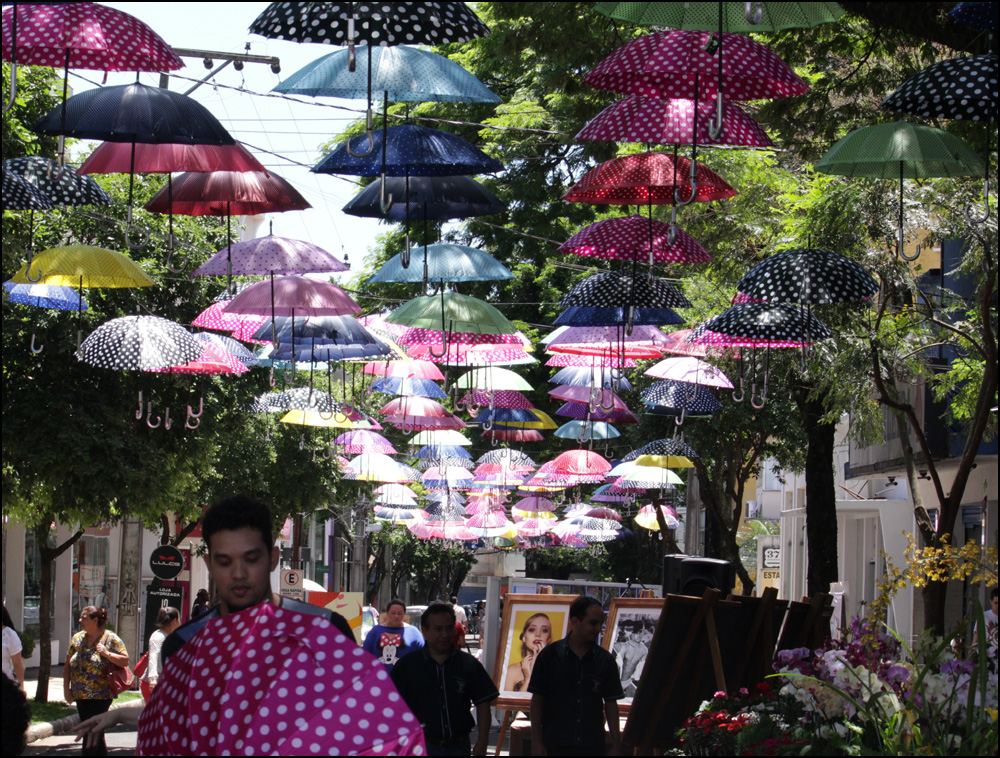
807,623
760,617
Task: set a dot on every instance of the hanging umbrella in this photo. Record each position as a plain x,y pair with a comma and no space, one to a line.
507,457
596,397
577,315
625,237
242,327
668,447
646,177
230,345
680,399
394,385
473,355
375,467
959,88
403,369
492,379
451,477
139,343
613,289
690,370
45,296
226,193
588,412
19,195
167,158
317,331
84,266
664,461
293,295
982,15
386,493
737,17
679,64
364,441
568,360
213,360
453,313
431,452
808,276
302,399
502,433
442,262
59,185
578,463
478,398
435,198
646,517
270,255
591,377
419,336
204,684
675,121
609,341
440,437
769,322
587,430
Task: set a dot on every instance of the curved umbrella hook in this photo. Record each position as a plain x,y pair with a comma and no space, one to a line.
672,230
404,257
488,424
149,416
753,12
369,135
385,202
694,192
743,391
328,453
138,413
763,394
977,220
611,395
170,256
352,62
445,333
271,377
715,127
679,420
193,420
166,419
322,414
143,234
902,252
35,350
27,270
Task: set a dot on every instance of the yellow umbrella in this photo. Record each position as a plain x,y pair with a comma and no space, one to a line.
315,418
83,266
544,422
664,461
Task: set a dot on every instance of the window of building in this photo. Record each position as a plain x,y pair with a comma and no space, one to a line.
772,475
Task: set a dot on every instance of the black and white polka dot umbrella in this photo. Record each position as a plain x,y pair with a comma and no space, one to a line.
18,195
693,399
139,343
959,88
298,399
374,23
664,446
808,276
769,322
613,289
59,184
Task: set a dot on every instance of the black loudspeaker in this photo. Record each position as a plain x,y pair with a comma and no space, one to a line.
686,575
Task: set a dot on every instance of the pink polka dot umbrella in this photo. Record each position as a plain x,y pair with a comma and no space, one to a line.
269,680
626,237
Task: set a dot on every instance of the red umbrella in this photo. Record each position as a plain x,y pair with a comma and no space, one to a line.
624,237
473,355
213,360
646,178
269,680
226,193
578,463
679,64
117,158
676,121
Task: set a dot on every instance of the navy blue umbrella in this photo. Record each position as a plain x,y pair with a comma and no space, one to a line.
330,352
669,398
611,289
318,330
444,451
980,15
504,416
436,198
664,446
578,315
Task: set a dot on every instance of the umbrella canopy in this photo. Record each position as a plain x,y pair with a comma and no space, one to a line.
614,289
440,452
492,379
394,385
293,295
959,88
418,336
85,266
135,113
769,322
646,177
705,15
442,262
411,150
228,193
603,340
435,198
19,195
302,399
403,74
213,360
669,396
982,15
58,184
415,406
677,64
503,433
606,399
139,343
87,36
587,430
638,118
375,467
166,158
242,327
577,315
690,370
588,412
374,23
364,441
440,437
417,369
270,255
663,447
646,517
630,237
591,377
496,399
808,276
578,463
452,312
901,149
317,331
45,296
507,457
664,461
203,684
230,345
455,354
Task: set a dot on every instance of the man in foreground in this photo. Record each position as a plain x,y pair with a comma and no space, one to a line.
574,686
440,684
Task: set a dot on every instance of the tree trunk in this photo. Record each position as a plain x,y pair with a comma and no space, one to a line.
47,558
821,496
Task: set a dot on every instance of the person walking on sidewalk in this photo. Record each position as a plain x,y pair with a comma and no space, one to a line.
167,621
86,671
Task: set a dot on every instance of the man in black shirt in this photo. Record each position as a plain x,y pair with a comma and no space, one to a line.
440,684
574,686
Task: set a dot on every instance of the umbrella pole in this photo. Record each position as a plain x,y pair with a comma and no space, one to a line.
62,122
79,315
229,250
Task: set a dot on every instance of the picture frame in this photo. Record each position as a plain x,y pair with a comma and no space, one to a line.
525,616
628,633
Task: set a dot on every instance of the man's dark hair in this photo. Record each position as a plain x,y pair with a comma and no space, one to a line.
16,717
235,513
993,593
395,601
438,606
454,600
582,604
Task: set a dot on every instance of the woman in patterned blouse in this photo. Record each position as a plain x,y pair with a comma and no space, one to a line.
85,675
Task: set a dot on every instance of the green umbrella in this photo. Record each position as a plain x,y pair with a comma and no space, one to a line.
451,312
901,150
737,17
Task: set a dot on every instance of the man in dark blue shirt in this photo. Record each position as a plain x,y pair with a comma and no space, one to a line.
440,684
574,686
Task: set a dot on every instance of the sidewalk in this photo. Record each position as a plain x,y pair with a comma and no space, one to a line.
47,729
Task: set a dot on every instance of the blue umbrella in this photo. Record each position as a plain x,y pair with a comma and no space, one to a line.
980,15
330,352
317,330
45,296
504,416
408,149
435,198
443,261
443,451
396,385
585,376
581,315
669,398
587,430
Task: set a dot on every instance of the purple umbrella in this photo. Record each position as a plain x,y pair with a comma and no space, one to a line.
361,441
293,296
270,255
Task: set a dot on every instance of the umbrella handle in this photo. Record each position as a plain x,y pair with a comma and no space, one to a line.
201,409
35,350
404,256
328,453
715,128
753,13
385,202
138,413
149,416
143,234
166,419
191,418
352,62
13,84
763,395
488,425
977,220
694,191
27,270
743,391
679,420
271,377
333,412
170,257
369,134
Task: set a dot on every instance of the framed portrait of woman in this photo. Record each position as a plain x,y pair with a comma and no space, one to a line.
628,633
529,624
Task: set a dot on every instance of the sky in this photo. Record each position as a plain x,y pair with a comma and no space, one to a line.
292,131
